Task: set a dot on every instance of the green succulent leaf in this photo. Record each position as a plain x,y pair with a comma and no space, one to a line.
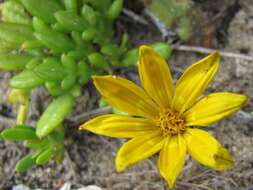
97,60
71,21
84,72
68,82
49,37
43,9
100,5
50,70
12,62
54,115
89,14
15,33
130,58
26,163
19,133
44,156
115,9
38,144
54,88
111,50
7,46
77,37
89,34
27,79
77,54
69,63
76,91
71,5
31,44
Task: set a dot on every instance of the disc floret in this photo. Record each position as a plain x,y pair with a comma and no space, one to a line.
171,123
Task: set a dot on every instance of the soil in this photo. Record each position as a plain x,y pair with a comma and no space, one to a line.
89,158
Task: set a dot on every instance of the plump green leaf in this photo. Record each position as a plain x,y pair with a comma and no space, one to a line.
89,14
26,163
115,9
15,33
14,61
50,37
76,91
7,46
84,72
44,156
71,5
39,25
38,144
54,88
54,115
89,34
77,37
97,60
77,54
130,58
71,21
100,5
19,133
69,63
32,44
43,9
33,63
50,70
26,80
68,81
111,50
54,40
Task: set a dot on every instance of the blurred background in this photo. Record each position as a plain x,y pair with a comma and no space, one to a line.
193,28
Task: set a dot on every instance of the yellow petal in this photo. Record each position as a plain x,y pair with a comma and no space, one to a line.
155,76
126,96
119,126
207,150
137,149
172,157
194,81
213,108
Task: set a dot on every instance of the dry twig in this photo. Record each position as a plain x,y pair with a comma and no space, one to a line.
90,114
135,16
203,50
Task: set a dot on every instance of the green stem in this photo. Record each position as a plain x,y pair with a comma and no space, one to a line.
22,112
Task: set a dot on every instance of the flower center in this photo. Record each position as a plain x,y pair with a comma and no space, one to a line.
171,123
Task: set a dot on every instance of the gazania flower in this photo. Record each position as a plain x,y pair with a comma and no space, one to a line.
162,115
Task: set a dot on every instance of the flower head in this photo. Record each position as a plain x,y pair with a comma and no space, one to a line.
161,115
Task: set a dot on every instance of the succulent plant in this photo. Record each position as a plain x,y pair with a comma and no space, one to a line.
57,44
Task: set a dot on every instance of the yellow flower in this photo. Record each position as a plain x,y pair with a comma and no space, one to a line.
163,115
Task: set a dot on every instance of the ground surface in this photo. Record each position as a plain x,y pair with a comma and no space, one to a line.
89,159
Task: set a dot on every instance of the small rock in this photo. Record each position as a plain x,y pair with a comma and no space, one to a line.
90,187
20,187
